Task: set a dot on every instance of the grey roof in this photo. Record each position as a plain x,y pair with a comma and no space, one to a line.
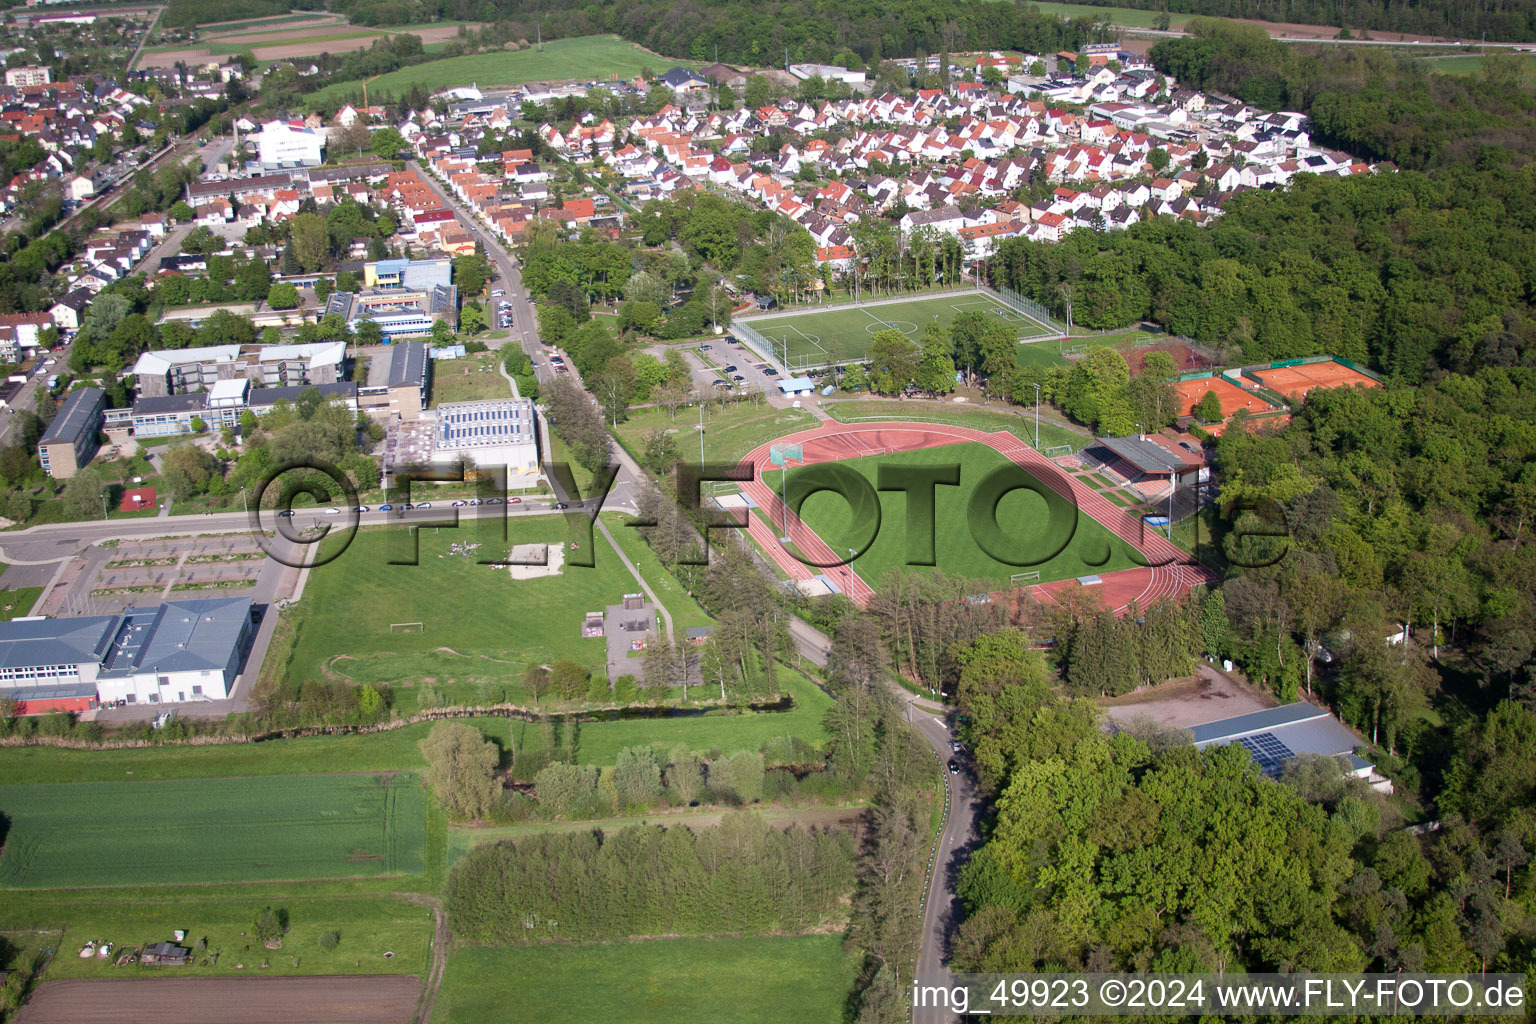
38,642
1275,734
1142,454
1256,721
160,405
76,418
484,424
261,398
407,364
177,636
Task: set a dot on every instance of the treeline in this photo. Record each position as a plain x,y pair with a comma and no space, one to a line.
741,877
1372,102
1405,272
190,13
1127,853
1507,22
743,32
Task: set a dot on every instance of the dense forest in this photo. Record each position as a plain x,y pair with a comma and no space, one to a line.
1140,853
1507,20
1375,103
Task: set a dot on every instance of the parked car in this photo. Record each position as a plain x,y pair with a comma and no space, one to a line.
285,513
737,377
562,505
423,504
497,293
460,503
386,508
510,501
477,501
493,501
362,508
731,368
954,767
333,511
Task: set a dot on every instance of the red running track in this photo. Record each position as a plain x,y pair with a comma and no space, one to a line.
1171,574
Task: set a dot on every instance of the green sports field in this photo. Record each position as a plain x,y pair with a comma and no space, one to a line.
267,828
1034,528
842,335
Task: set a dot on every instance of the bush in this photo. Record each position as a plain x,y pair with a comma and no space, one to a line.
330,940
461,769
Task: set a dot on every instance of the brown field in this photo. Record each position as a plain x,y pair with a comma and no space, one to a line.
290,44
1207,696
336,999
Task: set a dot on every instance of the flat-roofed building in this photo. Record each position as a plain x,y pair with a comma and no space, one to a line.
398,385
502,433
71,439
175,652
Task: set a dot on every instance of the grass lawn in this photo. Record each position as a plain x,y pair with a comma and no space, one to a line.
585,58
18,602
213,830
1040,354
478,624
757,980
600,742
470,379
1466,64
842,335
729,432
240,25
369,925
1024,517
1020,421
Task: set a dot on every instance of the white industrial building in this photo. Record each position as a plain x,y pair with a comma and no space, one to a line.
288,144
500,434
827,73
176,652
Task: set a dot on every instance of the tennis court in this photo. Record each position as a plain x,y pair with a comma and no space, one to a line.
843,334
1295,382
1232,397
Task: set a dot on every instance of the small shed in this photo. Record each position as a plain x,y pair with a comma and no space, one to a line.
797,386
165,954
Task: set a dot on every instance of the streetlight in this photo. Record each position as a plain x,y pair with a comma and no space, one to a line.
1037,417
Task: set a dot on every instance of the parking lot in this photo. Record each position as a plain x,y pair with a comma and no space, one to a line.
106,579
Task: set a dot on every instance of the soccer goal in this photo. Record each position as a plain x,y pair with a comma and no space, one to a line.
1020,578
406,627
1055,451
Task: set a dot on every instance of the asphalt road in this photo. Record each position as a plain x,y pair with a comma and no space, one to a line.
524,331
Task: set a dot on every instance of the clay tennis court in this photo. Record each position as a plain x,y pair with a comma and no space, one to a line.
1232,397
1296,382
334,999
1184,357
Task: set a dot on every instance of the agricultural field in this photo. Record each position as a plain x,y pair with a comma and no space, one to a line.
842,335
283,39
476,623
729,432
1020,422
724,981
1470,64
215,830
1024,516
585,58
1130,17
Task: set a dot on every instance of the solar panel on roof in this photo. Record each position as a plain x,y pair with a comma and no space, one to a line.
1267,751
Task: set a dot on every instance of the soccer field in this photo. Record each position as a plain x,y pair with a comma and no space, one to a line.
1024,516
843,334
189,831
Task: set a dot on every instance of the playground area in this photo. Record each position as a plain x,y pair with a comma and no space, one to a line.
842,334
1295,382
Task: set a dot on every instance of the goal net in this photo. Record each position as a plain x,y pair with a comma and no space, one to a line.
406,627
1024,577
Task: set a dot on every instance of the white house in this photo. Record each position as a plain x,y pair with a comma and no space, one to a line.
288,144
